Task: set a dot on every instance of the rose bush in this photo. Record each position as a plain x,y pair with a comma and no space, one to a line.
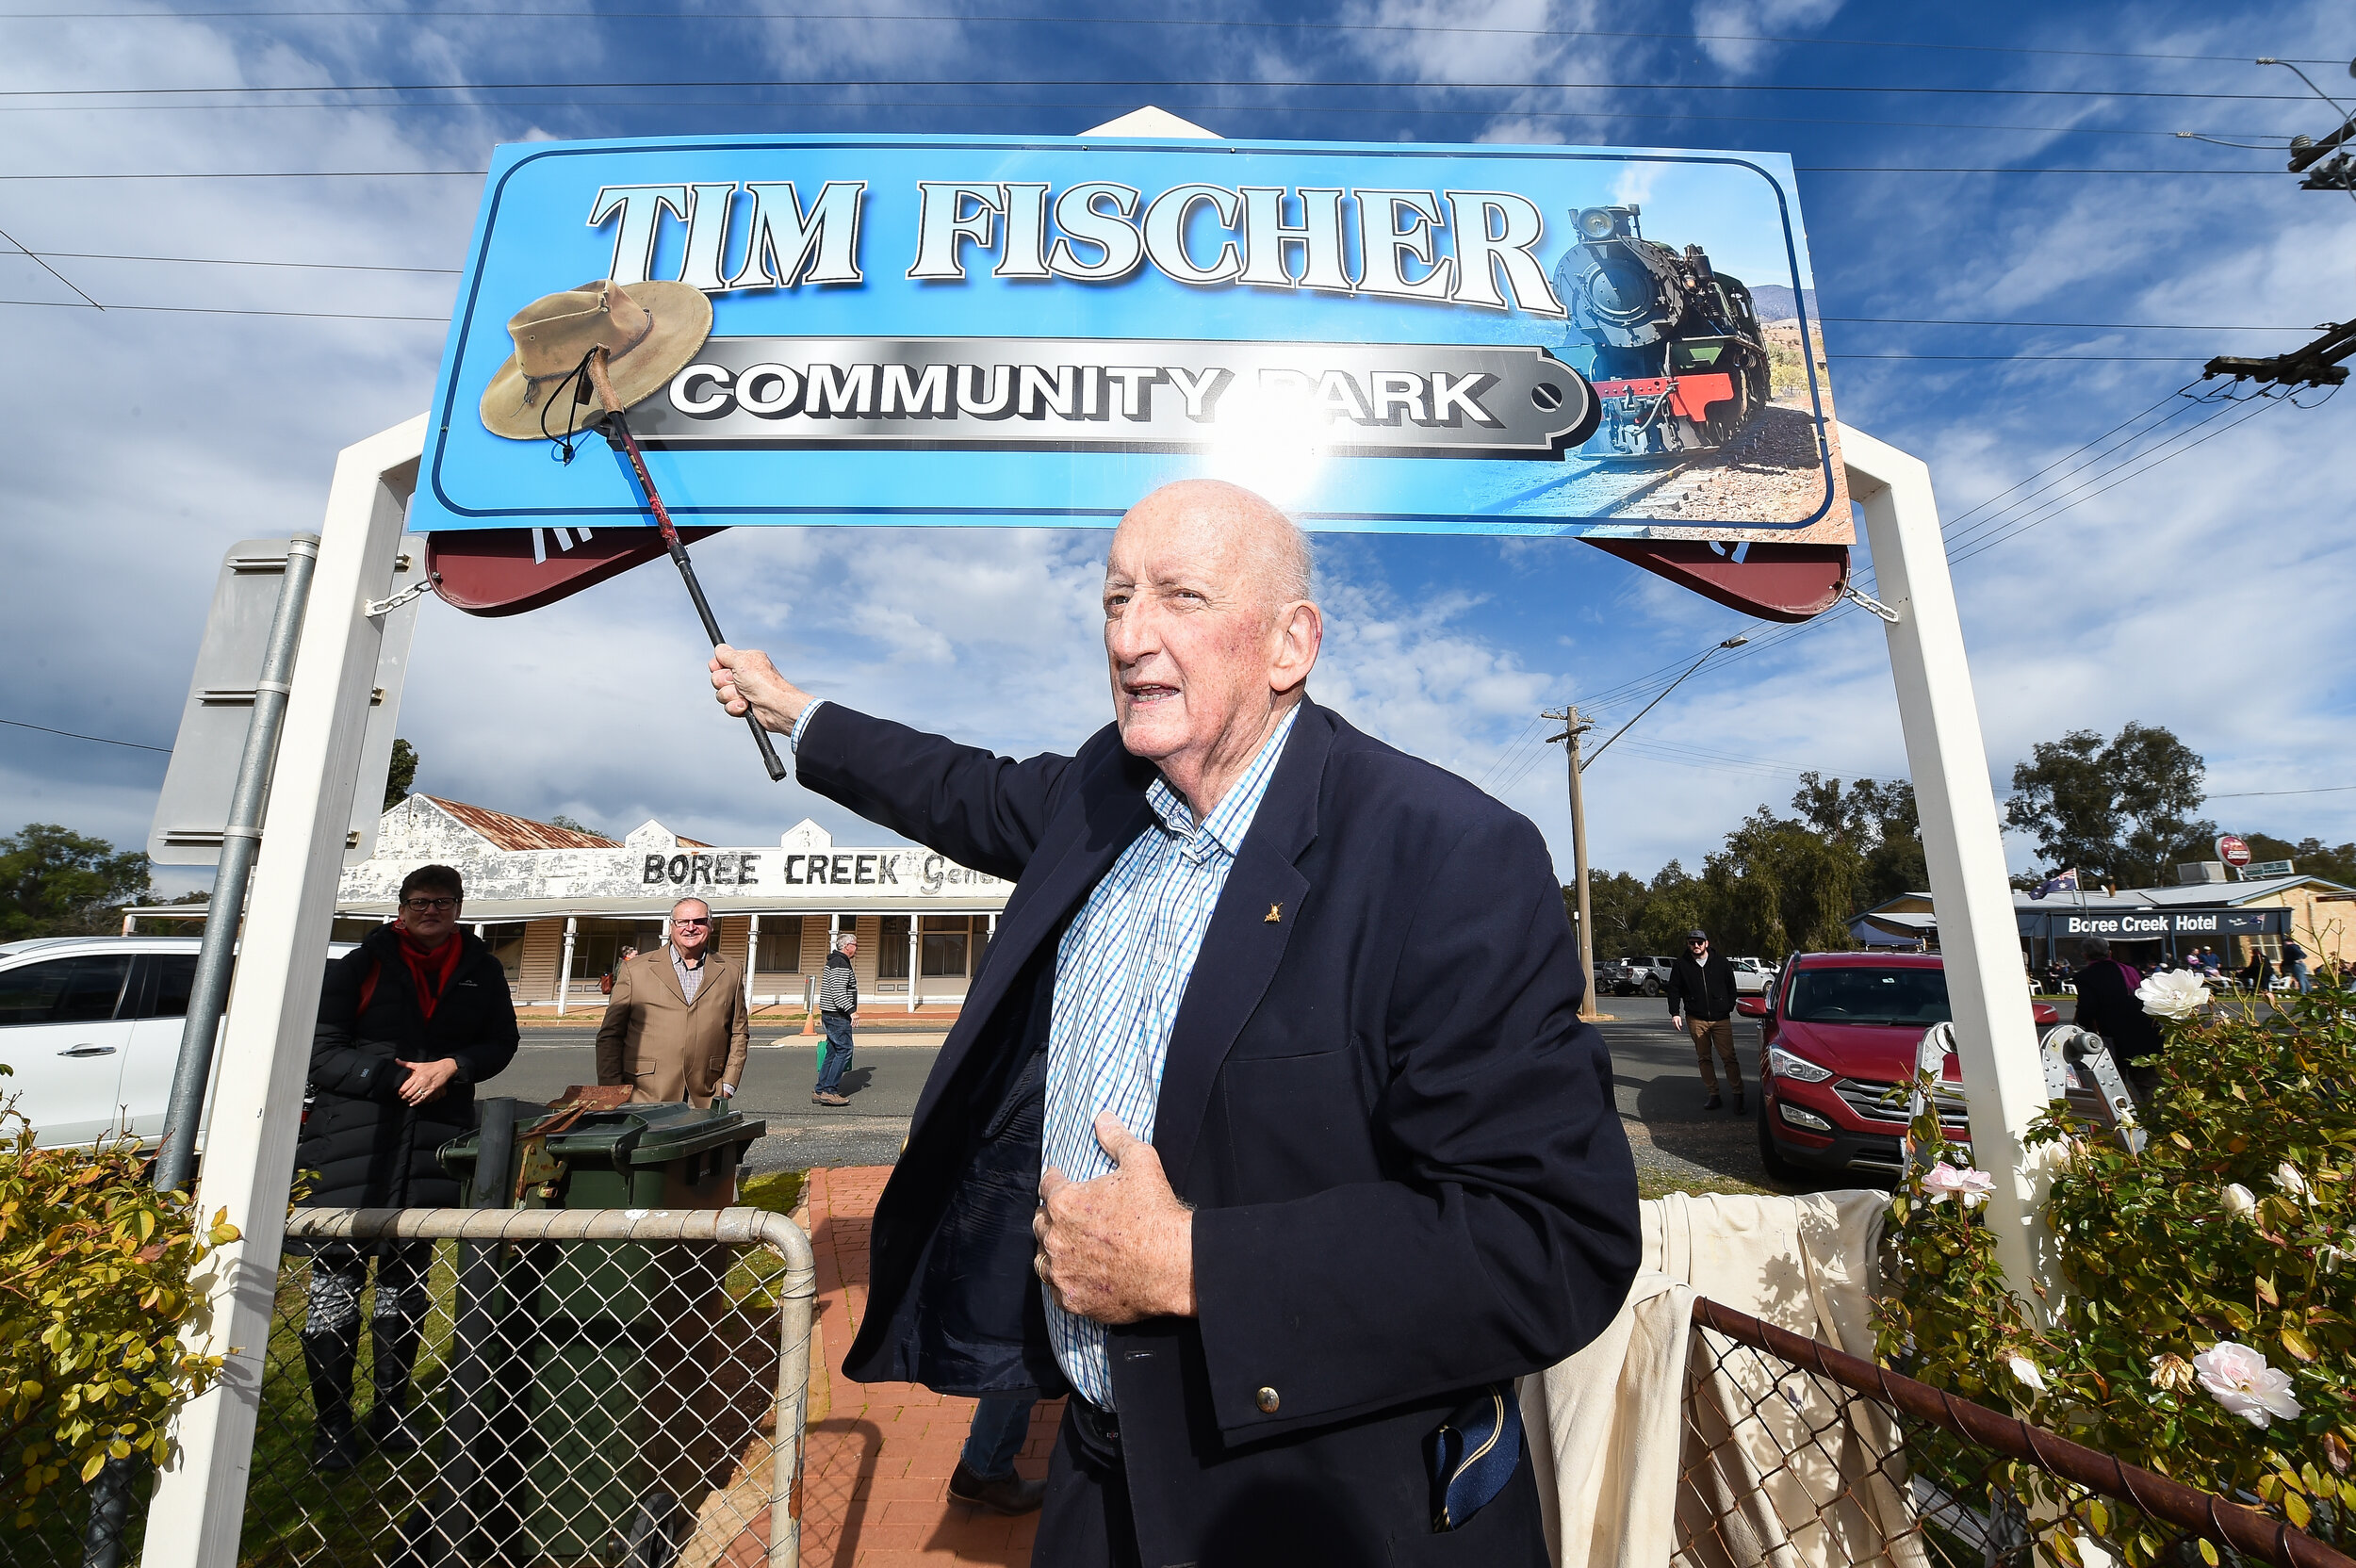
2206,1329
96,1282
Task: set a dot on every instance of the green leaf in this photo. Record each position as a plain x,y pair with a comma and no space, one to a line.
2208,1552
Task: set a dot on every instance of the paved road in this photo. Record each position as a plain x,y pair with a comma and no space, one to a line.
1678,1145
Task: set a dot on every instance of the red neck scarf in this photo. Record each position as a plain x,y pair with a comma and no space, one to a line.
429,971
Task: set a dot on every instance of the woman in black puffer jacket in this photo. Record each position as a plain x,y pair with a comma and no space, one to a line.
409,1024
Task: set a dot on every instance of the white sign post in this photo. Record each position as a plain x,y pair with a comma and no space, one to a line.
199,1504
1995,1030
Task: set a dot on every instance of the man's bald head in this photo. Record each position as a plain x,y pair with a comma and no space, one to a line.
1264,548
1209,629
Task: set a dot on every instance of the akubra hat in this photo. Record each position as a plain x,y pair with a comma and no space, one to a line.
650,332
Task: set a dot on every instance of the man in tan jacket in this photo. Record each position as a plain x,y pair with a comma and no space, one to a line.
676,1027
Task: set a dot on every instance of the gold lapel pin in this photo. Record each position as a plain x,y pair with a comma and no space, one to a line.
1275,915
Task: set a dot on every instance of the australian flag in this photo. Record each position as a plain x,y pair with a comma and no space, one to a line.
2060,882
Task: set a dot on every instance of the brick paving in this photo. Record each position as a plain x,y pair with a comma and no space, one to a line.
876,1493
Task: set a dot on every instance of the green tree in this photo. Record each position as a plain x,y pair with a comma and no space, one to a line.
400,774
2119,810
1676,903
1616,900
2311,857
1879,820
1779,886
57,883
561,820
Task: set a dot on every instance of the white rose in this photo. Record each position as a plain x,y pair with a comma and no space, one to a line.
1965,1185
2025,1370
2286,1176
2239,1378
2176,994
2240,1202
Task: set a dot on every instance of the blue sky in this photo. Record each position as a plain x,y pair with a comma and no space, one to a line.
2212,594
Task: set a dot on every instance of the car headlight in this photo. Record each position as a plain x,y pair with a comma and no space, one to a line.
1785,1064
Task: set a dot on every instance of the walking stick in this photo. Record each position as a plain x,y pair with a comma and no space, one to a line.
617,434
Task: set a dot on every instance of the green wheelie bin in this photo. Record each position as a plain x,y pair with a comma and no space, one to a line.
595,1442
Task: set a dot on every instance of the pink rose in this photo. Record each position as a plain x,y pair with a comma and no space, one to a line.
1965,1185
2239,1378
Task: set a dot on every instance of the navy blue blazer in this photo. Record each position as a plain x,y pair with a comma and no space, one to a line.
1409,1175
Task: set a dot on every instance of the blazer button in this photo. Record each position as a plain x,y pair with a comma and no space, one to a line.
1266,1400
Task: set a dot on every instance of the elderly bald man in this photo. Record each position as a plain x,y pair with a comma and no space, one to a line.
1269,1129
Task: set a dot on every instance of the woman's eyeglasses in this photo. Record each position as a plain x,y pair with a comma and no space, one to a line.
422,905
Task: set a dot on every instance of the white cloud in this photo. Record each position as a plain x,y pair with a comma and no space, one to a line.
2213,595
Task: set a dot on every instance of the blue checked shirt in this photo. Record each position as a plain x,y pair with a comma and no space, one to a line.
1119,975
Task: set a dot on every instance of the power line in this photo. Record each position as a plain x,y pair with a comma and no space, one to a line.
1951,321
2259,405
51,270
363,316
1847,321
72,735
2089,359
1392,85
275,174
593,14
2001,524
225,310
1048,106
369,266
2246,794
479,174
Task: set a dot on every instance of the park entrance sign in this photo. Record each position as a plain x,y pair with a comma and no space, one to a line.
834,330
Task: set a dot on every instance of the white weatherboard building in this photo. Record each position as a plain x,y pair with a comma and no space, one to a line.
557,904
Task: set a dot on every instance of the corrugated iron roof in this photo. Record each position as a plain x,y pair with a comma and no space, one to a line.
506,832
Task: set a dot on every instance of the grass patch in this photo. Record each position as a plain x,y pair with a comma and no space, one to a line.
777,1191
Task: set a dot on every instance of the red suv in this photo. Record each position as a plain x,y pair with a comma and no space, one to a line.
1837,1034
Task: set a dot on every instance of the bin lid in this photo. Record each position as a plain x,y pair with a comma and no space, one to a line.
652,1134
635,1135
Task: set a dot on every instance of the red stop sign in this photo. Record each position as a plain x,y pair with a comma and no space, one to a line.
2232,851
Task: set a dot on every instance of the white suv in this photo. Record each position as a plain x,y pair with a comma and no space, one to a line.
91,1026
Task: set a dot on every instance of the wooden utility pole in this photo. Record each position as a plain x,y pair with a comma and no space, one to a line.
1573,727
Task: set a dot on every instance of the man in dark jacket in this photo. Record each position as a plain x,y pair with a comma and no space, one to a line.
409,1022
1269,1126
2107,1005
1701,1003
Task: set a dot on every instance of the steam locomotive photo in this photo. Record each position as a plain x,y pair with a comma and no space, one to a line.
1680,364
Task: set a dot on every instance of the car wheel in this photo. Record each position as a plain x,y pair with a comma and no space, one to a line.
1651,986
1770,1157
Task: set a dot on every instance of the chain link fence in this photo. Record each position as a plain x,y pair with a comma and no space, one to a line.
627,1389
1795,1453
541,1388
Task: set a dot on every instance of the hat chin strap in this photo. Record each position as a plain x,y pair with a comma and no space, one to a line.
532,384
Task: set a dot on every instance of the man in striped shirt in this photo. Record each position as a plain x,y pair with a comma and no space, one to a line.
1269,1130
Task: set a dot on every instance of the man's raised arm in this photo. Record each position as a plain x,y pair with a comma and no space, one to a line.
980,810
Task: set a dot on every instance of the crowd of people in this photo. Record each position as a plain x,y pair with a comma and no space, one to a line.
2259,974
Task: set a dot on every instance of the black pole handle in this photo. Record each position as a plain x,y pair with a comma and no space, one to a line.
617,436
769,757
